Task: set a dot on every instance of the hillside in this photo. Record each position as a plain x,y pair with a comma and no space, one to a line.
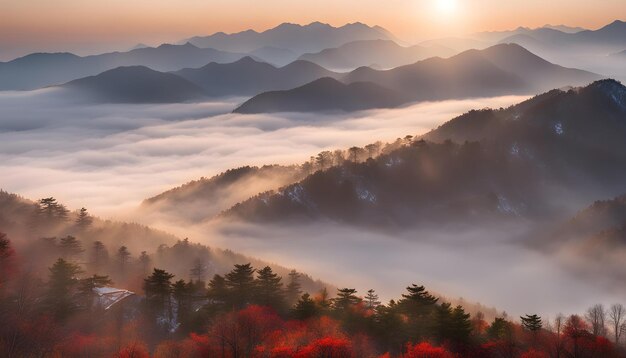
535,160
381,53
207,197
38,233
250,77
136,84
324,94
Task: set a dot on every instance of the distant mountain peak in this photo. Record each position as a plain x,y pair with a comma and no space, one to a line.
246,60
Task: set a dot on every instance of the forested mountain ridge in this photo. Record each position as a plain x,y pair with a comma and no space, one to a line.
209,196
498,162
47,230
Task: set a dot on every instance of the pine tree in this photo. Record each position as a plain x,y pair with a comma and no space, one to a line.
70,247
443,322
419,305
240,282
293,291
371,299
198,270
51,211
418,301
123,256
218,292
144,261
500,328
269,289
99,256
305,308
83,220
532,322
61,289
346,298
461,328
158,288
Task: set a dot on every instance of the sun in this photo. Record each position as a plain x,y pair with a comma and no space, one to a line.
446,6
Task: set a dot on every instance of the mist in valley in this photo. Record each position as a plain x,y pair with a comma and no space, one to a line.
111,157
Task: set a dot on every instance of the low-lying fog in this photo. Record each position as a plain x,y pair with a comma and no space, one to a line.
111,157
491,265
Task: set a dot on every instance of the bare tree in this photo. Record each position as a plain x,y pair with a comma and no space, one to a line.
596,316
616,317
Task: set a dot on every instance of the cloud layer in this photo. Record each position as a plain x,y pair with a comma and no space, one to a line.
110,157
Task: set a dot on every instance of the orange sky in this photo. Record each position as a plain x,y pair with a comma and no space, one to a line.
90,25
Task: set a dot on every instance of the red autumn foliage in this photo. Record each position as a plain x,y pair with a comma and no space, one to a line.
532,353
133,350
327,347
426,350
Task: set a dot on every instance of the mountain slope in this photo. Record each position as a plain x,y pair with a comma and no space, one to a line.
325,94
297,38
382,53
537,160
250,77
136,84
498,70
36,236
45,69
209,196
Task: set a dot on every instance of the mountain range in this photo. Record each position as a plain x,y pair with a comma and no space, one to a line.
299,39
608,37
495,71
46,69
247,77
379,54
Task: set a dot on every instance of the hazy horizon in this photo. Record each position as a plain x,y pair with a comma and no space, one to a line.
36,26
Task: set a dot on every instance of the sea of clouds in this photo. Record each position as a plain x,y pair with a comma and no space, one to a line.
109,158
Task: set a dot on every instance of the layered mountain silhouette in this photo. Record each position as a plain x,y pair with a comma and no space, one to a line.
300,39
536,160
611,36
495,71
275,55
134,84
381,53
248,77
46,69
324,94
